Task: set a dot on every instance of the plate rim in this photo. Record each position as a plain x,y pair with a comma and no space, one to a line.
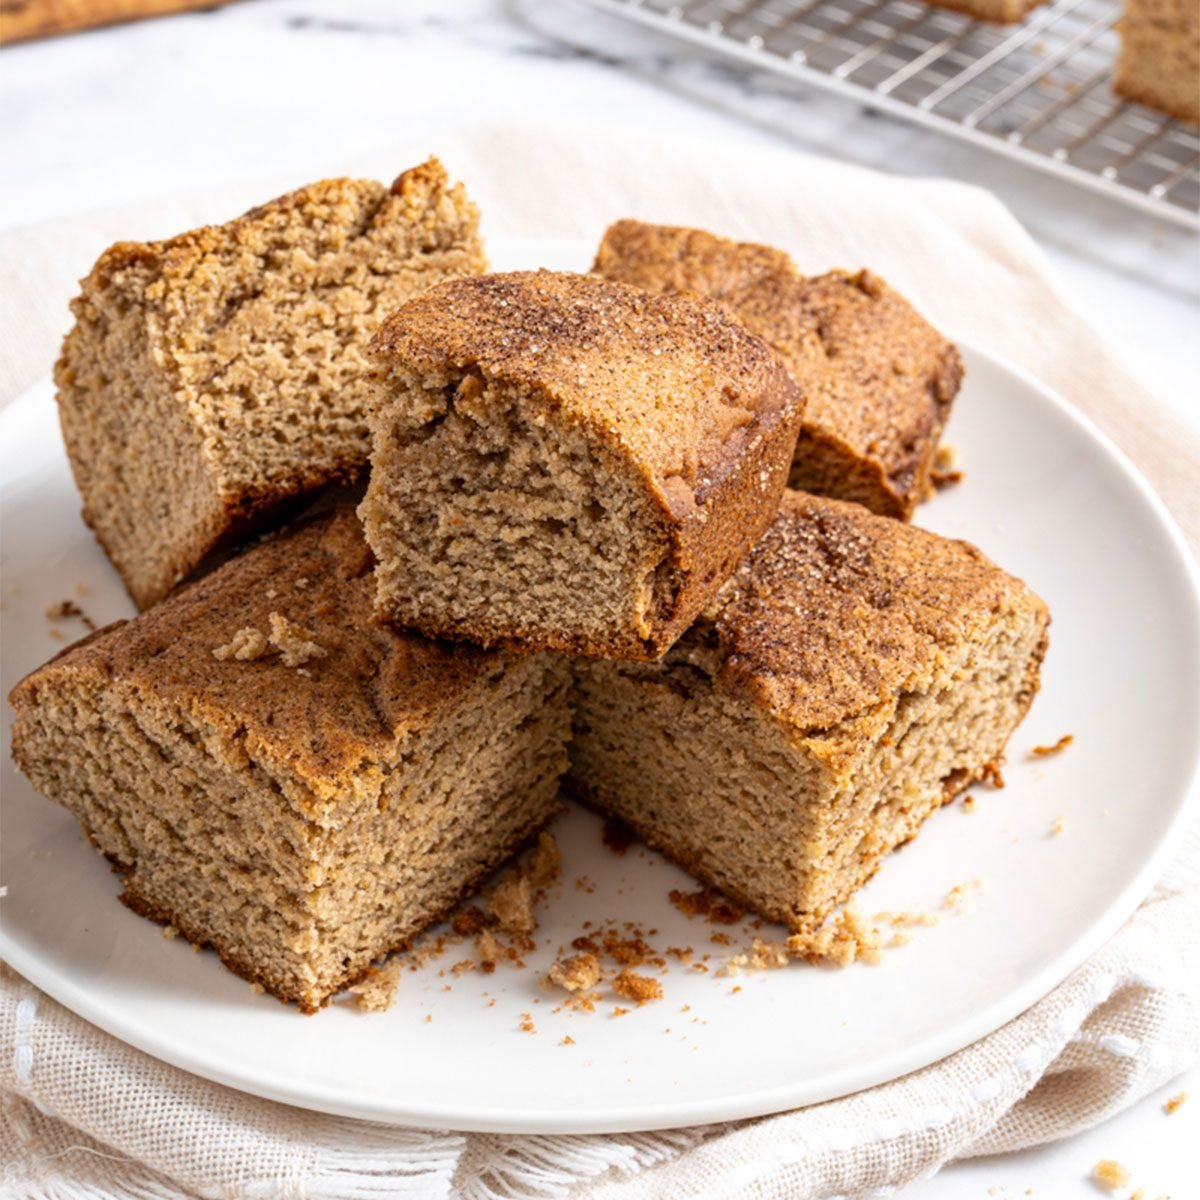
747,1104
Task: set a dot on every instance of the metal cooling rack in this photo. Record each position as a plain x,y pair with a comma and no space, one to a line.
1039,92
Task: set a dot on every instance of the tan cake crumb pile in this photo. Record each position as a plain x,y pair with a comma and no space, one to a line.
608,953
294,644
847,938
639,988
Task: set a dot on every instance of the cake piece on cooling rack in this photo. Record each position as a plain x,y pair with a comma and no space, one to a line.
277,776
1159,60
1003,12
878,379
567,463
212,377
852,676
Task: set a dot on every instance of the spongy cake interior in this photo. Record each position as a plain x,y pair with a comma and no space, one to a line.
789,822
498,520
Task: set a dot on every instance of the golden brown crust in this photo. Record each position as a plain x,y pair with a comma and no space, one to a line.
878,379
639,370
317,576
179,257
835,610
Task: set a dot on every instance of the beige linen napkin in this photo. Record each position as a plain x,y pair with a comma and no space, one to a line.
85,1115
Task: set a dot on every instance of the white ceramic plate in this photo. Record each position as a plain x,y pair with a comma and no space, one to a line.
1044,494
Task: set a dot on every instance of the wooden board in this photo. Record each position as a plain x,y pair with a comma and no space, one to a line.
21,20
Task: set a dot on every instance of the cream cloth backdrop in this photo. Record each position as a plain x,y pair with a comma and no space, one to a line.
86,1116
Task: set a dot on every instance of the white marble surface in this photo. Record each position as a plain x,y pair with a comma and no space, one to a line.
268,87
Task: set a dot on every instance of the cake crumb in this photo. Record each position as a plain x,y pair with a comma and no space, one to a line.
170,932
246,645
257,988
511,903
956,895
639,988
489,951
845,940
1062,743
1110,1174
545,863
708,904
991,774
580,972
1060,823
768,956
295,644
63,610
618,1011
1175,1103
377,991
969,802
527,1025
907,920
945,471
568,1040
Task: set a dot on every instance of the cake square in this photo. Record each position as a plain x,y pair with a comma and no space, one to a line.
276,776
853,675
211,378
878,379
562,462
1159,60
1001,12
